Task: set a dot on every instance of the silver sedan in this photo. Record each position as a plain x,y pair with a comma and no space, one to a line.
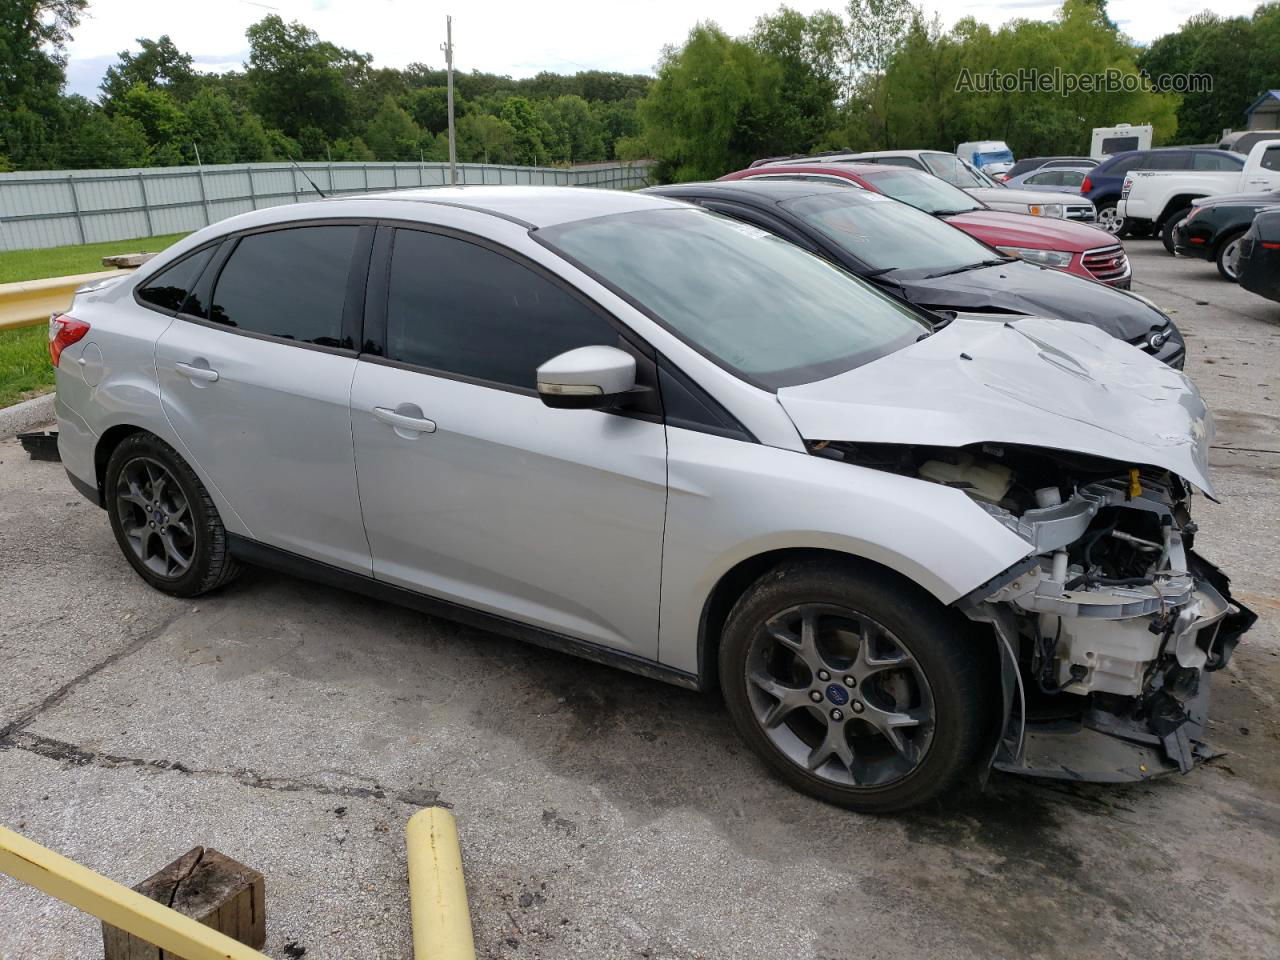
904,546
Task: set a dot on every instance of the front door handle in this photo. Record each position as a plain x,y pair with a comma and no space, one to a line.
196,373
402,421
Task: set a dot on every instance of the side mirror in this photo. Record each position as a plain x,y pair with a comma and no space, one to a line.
588,378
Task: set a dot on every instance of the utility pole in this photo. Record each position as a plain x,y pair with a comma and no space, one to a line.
447,47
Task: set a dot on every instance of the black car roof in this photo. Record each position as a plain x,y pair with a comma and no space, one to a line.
770,190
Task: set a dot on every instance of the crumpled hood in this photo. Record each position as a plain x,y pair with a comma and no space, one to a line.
1034,381
1021,287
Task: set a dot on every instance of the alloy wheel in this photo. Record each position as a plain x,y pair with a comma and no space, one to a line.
1110,220
156,517
1231,259
840,695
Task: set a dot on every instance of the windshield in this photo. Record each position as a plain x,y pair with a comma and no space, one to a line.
921,191
995,156
770,312
953,170
886,235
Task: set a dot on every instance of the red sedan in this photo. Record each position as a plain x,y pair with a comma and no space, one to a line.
1085,251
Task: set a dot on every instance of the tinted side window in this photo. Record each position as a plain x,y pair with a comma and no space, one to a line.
1271,158
1050,178
1168,160
900,162
170,287
288,283
461,308
1123,166
1212,161
1070,178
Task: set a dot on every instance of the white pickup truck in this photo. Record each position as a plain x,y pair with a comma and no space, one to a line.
1164,197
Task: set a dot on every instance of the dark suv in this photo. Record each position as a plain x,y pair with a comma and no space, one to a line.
1104,181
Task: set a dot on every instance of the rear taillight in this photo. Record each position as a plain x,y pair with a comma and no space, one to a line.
63,332
1086,185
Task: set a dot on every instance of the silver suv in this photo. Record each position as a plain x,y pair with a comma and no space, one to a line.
629,428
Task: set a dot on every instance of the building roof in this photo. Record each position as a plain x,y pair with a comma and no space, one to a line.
1268,95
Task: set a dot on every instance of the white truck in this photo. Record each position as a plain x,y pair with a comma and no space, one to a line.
1163,198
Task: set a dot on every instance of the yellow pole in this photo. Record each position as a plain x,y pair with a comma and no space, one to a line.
437,892
116,904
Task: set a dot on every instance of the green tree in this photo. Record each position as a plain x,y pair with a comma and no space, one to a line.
392,134
528,128
297,80
165,123
484,138
429,107
876,32
160,64
713,106
810,51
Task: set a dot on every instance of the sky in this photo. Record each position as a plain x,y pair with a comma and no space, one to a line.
515,37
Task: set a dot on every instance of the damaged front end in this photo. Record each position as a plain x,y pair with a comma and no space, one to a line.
1108,630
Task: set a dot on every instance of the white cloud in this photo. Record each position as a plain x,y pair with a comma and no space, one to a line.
502,36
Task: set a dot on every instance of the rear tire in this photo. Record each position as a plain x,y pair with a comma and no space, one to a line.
1228,257
1166,229
1111,221
163,519
852,685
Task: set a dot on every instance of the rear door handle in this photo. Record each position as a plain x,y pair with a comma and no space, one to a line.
404,422
196,373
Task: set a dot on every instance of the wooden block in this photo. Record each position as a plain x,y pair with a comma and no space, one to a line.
125,261
207,886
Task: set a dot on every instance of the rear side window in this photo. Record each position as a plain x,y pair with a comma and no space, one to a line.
1213,161
1170,160
1124,166
290,284
1050,178
168,290
1271,158
463,309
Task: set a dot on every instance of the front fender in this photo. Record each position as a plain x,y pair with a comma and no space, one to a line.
729,501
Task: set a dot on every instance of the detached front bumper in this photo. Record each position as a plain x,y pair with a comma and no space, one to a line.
1109,738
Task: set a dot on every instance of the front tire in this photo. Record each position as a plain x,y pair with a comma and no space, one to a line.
163,519
1166,229
1109,219
852,685
1228,257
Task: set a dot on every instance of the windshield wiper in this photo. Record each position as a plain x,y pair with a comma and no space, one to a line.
967,267
878,273
952,213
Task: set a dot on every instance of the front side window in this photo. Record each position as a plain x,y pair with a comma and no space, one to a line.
886,235
168,290
757,305
289,283
463,309
923,192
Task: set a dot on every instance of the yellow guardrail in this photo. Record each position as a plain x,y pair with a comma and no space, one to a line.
29,302
115,903
437,892
437,896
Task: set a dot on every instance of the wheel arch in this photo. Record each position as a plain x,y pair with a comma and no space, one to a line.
735,582
111,438
1178,202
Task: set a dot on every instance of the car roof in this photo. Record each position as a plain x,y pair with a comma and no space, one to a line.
528,205
767,190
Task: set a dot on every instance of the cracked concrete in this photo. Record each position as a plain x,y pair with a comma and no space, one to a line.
296,728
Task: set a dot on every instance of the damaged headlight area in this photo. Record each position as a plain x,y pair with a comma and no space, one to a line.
1110,628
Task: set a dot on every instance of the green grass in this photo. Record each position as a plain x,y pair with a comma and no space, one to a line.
24,353
24,363
78,258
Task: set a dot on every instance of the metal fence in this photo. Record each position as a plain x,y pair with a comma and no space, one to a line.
56,207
